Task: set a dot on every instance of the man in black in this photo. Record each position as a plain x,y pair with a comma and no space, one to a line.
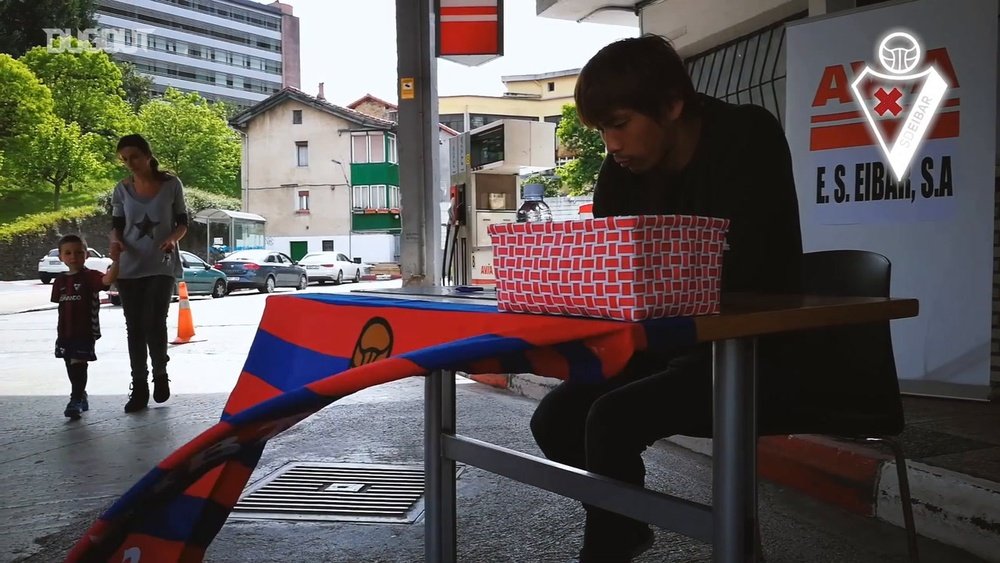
671,151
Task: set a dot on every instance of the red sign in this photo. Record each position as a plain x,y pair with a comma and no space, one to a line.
470,31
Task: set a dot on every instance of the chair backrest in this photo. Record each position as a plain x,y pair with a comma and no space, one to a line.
851,376
857,273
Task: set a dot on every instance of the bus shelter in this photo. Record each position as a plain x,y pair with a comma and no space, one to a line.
243,231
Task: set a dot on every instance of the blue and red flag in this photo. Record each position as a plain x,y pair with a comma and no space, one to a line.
311,350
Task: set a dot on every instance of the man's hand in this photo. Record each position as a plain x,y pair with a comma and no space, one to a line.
168,245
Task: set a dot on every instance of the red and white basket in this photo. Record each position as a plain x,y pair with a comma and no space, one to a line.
625,268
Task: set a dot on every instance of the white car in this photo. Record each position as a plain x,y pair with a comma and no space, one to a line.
332,266
49,266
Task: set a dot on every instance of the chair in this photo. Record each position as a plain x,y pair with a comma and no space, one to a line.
856,393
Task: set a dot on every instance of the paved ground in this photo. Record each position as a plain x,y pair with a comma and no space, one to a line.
57,476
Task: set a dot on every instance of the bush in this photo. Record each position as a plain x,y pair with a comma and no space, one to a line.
197,200
40,223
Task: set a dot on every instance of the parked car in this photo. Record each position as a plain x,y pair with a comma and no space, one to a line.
49,266
263,270
332,266
201,279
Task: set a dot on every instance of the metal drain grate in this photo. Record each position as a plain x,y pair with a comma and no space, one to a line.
336,491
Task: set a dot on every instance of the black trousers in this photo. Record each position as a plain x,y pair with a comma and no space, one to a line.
605,427
146,302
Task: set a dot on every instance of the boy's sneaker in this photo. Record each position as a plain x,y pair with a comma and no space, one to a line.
73,409
84,404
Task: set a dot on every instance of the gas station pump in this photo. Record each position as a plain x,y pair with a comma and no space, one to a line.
486,166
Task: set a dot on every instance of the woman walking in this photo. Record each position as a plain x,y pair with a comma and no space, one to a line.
149,217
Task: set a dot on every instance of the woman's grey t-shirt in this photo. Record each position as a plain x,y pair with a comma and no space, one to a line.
148,223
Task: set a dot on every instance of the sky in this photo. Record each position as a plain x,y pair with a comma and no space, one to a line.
350,45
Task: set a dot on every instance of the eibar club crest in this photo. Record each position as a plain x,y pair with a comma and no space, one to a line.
900,53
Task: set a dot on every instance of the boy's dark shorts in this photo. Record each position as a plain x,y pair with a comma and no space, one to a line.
76,349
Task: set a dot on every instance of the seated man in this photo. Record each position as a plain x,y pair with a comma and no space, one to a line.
671,151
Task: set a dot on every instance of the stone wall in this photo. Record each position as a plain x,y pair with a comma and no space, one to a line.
19,258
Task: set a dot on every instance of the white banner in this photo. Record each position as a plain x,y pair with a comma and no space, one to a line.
891,118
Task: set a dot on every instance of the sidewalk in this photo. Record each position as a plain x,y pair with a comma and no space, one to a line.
58,476
953,458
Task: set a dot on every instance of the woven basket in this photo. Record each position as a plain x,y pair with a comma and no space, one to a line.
624,268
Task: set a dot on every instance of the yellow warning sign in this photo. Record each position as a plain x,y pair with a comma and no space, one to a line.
406,89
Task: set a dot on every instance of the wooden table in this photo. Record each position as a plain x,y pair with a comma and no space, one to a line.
730,521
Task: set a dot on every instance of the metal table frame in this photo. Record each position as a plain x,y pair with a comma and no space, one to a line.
729,524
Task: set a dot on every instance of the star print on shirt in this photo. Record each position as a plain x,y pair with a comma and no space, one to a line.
146,226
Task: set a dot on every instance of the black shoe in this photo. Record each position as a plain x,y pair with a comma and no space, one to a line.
161,388
73,409
84,403
138,399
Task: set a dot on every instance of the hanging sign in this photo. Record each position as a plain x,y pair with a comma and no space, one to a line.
470,32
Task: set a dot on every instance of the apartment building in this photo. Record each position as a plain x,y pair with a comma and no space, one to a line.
238,51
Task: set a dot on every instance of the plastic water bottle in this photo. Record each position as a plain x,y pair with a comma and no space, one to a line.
534,209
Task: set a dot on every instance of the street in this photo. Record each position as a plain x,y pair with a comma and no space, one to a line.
57,476
211,363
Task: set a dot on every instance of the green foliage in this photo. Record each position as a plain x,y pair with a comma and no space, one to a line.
136,85
196,200
87,90
23,22
191,138
40,222
580,174
24,102
56,153
552,183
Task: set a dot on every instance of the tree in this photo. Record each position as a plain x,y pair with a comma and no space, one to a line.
136,85
191,138
580,174
86,90
55,153
552,183
24,101
23,22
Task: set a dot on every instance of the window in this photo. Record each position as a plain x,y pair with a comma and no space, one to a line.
296,116
376,147
303,202
342,258
378,196
394,197
392,115
552,86
327,246
361,197
393,157
93,253
359,148
302,153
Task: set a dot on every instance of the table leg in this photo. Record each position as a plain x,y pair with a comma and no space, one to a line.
734,451
439,473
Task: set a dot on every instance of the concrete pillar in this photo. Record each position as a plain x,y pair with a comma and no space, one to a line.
418,142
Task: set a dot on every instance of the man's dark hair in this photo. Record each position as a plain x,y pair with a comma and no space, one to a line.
640,73
70,239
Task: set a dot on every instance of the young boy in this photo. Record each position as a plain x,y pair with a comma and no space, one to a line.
78,294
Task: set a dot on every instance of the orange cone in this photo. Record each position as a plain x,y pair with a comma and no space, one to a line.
185,323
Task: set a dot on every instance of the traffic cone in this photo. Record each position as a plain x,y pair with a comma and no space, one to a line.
185,323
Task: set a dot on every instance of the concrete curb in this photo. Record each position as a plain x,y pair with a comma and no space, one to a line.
950,507
104,301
